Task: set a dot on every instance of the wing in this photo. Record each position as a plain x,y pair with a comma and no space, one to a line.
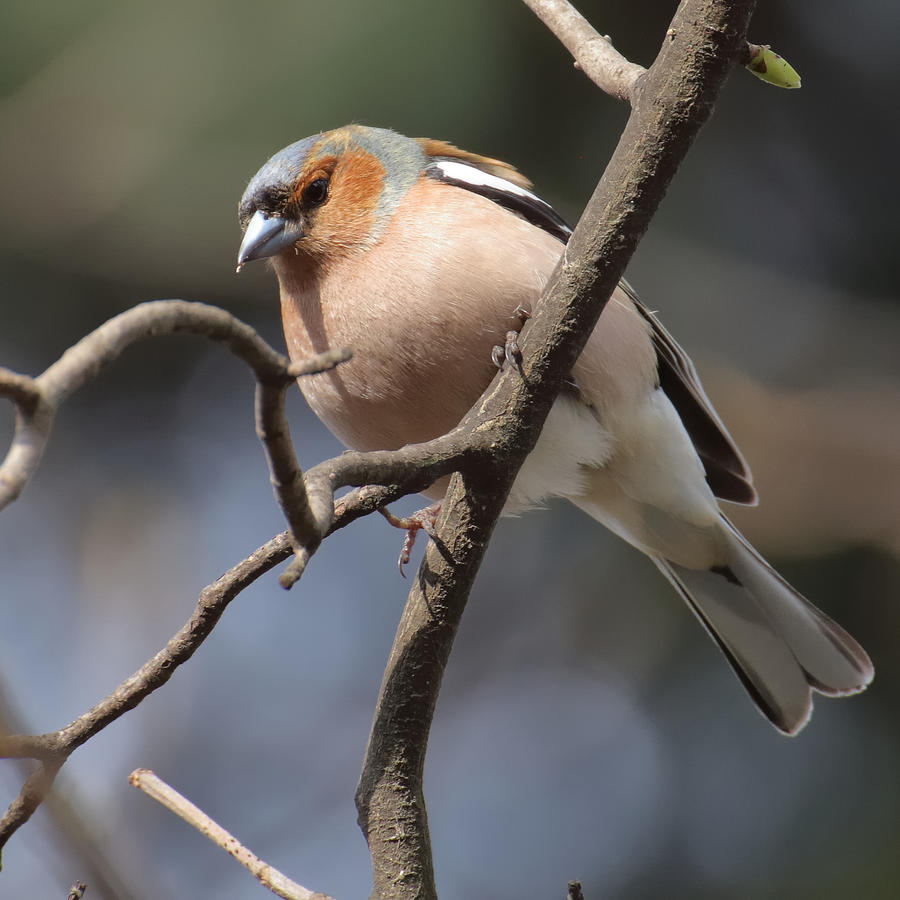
727,473
508,194
726,470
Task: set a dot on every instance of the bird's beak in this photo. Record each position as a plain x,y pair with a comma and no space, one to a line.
266,236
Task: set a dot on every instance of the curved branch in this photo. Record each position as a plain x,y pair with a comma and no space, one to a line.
37,399
34,419
308,502
95,351
408,470
308,516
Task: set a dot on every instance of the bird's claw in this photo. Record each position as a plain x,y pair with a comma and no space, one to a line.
522,314
422,520
510,353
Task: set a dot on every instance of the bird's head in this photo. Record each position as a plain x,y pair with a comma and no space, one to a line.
333,194
327,195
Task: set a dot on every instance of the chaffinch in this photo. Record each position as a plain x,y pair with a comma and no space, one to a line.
414,254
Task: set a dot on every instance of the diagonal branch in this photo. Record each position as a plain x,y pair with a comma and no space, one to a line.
670,104
268,876
52,749
593,52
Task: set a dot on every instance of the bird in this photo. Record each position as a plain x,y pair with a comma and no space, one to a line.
414,254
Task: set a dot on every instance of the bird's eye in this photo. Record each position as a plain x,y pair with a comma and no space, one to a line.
315,193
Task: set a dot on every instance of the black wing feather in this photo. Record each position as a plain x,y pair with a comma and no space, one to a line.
727,473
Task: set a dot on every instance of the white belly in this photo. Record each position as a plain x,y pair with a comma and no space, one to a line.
572,443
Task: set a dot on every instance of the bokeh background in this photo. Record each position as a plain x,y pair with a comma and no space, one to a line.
587,727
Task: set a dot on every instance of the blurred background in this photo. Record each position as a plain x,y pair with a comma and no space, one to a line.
587,727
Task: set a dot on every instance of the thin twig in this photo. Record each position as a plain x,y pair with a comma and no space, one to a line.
94,352
20,389
405,471
76,833
34,419
593,52
306,525
37,399
30,797
308,514
282,886
321,362
52,749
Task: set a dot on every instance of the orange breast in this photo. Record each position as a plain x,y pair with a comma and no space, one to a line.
421,311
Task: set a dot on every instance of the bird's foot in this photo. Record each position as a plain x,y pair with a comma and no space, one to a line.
522,314
422,520
510,353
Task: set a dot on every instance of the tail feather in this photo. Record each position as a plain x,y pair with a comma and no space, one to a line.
778,643
834,662
760,658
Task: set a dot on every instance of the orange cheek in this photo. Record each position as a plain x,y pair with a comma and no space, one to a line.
347,219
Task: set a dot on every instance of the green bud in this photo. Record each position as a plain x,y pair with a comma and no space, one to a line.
766,64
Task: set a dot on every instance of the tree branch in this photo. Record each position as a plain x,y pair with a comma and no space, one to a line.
669,105
308,515
37,399
280,885
54,748
593,52
307,501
